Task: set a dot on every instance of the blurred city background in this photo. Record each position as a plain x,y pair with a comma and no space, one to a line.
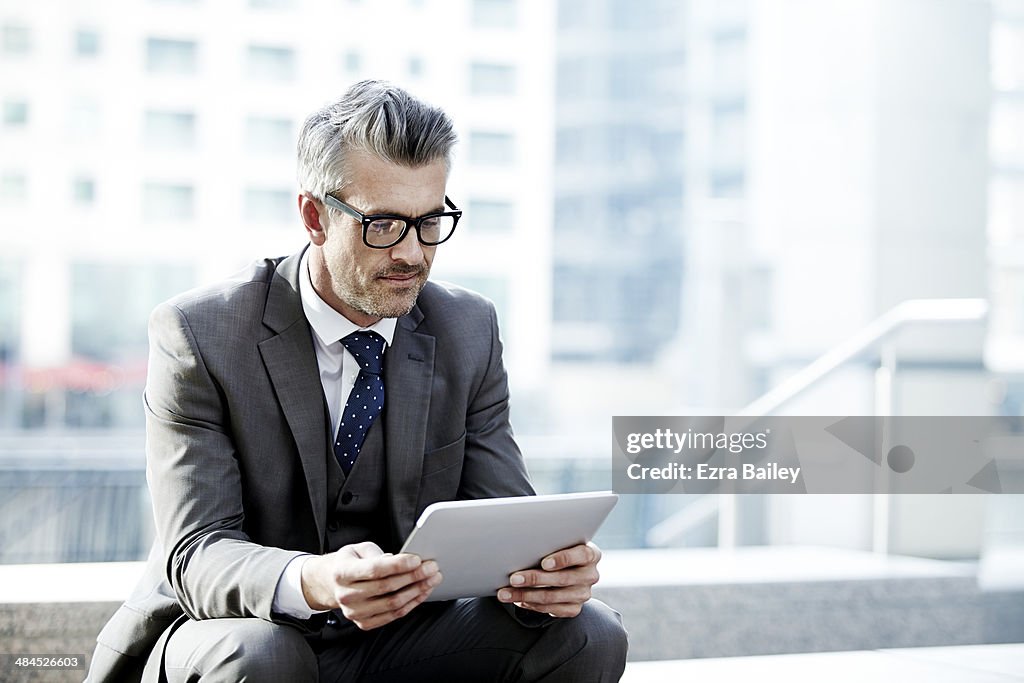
678,206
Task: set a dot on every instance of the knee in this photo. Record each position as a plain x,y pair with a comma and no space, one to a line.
271,652
605,637
256,651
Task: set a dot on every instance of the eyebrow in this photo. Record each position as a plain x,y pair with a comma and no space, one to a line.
386,212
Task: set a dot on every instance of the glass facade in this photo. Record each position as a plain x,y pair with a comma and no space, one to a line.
619,159
170,56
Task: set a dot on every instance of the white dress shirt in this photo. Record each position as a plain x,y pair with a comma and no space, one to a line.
338,372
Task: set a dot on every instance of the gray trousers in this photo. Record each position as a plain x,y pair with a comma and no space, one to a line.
470,640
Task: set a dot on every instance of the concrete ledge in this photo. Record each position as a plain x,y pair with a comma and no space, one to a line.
63,583
968,664
675,603
759,601
59,609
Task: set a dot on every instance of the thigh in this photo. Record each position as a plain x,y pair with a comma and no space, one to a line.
463,640
238,649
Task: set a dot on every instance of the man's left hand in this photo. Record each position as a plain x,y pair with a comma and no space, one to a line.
560,586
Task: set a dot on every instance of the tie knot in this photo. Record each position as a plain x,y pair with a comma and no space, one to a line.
368,350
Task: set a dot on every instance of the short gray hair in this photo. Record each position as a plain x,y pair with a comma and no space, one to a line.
375,117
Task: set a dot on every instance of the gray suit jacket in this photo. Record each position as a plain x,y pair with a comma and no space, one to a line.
237,442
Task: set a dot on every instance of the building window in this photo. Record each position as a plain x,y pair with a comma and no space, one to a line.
15,40
87,43
118,333
268,135
264,205
728,183
84,118
270,63
575,14
573,78
1006,133
166,56
15,113
490,216
415,67
167,202
491,148
13,187
494,13
1007,55
170,129
571,145
83,190
353,62
492,79
571,214
10,314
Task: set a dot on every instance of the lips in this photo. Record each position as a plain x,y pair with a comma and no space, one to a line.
401,276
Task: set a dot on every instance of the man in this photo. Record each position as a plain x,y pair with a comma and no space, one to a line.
302,415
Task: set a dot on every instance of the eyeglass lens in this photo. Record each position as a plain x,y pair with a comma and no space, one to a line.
387,231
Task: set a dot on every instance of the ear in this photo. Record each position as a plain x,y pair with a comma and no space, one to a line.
309,209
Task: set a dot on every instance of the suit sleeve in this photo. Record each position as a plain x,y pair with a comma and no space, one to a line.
493,465
214,568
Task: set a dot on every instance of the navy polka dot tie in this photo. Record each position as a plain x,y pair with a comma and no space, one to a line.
366,399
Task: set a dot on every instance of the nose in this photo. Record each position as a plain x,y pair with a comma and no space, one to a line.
409,250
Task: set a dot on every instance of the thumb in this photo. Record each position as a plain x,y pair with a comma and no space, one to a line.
364,550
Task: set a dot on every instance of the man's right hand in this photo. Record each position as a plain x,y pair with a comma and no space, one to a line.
370,587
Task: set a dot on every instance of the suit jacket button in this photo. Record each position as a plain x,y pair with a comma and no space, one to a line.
332,620
346,498
332,525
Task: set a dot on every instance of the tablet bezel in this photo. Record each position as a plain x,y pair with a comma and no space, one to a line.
479,543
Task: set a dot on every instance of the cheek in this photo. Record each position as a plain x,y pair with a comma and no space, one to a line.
342,255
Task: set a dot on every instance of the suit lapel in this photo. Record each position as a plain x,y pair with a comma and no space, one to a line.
291,364
408,375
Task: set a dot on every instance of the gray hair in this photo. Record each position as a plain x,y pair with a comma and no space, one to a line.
375,117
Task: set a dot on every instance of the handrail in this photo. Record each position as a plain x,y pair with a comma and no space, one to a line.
910,312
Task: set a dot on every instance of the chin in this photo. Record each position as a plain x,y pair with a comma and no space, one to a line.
395,306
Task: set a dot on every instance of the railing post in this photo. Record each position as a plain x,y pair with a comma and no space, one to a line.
727,520
884,406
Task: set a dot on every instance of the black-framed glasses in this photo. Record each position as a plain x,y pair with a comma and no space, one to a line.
381,231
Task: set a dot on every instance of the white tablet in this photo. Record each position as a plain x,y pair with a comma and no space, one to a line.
478,543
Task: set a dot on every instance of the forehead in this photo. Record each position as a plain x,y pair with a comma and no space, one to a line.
379,186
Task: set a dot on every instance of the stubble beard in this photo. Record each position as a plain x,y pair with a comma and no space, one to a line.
380,300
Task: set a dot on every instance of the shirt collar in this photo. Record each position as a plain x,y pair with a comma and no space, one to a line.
329,325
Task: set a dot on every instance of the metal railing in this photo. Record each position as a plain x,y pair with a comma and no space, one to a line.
872,343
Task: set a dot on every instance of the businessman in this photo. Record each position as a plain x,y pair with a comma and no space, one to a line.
301,416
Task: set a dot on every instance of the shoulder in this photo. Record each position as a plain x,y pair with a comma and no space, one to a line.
232,308
252,280
446,303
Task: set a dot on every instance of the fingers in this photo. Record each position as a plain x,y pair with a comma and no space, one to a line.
587,576
364,550
383,609
395,582
378,566
576,556
562,584
369,587
562,611
547,599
